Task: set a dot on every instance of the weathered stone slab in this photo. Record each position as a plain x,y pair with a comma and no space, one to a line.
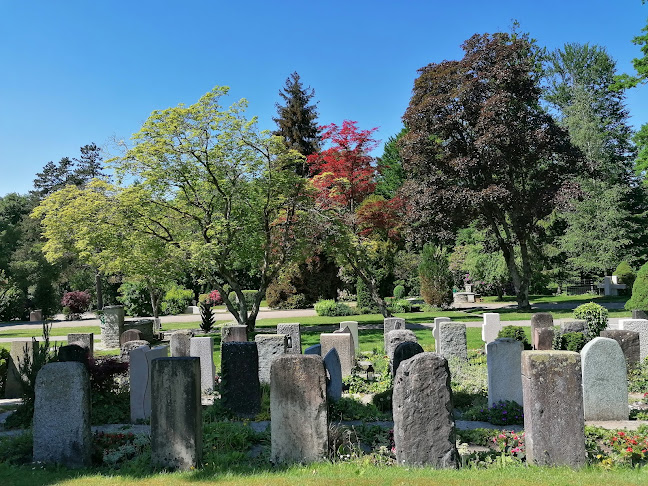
203,348
504,361
84,339
435,332
293,333
573,325
13,386
139,372
452,340
394,338
181,343
61,426
605,380
240,387
334,375
639,314
640,326
490,327
270,347
353,327
299,426
73,352
629,342
131,335
144,326
36,315
126,349
553,408
403,352
540,320
343,343
314,349
234,333
112,325
424,432
543,338
176,415
391,324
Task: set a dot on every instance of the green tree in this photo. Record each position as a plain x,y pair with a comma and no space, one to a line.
213,186
296,120
435,276
480,147
625,81
391,176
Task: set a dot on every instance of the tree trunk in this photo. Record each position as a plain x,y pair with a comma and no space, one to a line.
520,283
99,290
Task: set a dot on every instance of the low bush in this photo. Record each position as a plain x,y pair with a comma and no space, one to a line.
76,301
136,299
502,413
175,301
331,308
109,391
569,341
399,292
639,299
595,315
626,275
515,332
400,306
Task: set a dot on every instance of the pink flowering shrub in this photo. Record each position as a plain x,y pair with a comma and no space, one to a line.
214,298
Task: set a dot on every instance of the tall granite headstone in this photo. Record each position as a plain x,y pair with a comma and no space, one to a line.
504,361
240,387
452,340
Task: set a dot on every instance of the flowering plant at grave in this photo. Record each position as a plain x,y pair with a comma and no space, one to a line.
214,298
467,278
510,443
632,448
111,449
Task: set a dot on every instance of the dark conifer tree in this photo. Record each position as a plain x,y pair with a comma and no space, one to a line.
296,119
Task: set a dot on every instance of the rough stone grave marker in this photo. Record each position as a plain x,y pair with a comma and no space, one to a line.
293,332
629,342
640,326
394,338
391,324
234,333
112,325
13,385
270,347
353,327
181,343
435,332
126,349
543,338
203,348
343,343
452,339
84,339
539,320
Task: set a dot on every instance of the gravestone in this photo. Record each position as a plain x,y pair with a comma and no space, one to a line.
639,314
605,380
629,342
391,324
394,338
452,340
234,333
126,349
270,347
112,325
540,320
435,332
573,325
130,335
334,375
553,408
543,338
176,413
424,433
240,387
314,349
85,340
490,327
61,426
293,332
139,374
640,326
504,362
343,343
144,326
203,348
299,426
403,352
73,352
181,343
353,327
13,385
36,315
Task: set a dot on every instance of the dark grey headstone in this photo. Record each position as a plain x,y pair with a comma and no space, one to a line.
240,387
553,408
83,339
176,413
72,352
540,320
314,349
424,433
629,342
13,385
544,338
334,372
405,351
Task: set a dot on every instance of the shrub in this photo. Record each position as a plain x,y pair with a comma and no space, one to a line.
136,299
400,306
515,332
109,391
399,292
249,296
4,364
12,300
626,275
595,315
435,276
502,413
332,309
569,341
76,301
215,298
207,320
363,297
639,299
176,299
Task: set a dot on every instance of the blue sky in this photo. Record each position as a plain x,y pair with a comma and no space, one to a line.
76,72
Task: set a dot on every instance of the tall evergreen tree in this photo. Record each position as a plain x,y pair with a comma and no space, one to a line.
89,165
391,176
296,120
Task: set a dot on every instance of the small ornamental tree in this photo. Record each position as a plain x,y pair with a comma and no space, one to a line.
626,275
595,315
639,299
436,279
77,301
